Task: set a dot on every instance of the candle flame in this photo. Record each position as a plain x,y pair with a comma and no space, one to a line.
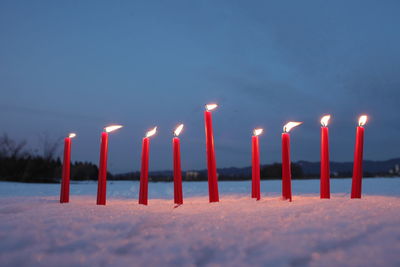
72,135
291,124
210,107
258,131
325,120
178,129
151,132
112,128
362,120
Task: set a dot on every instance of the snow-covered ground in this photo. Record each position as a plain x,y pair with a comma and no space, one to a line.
130,189
36,230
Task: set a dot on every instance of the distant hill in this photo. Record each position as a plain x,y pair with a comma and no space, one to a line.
370,167
300,170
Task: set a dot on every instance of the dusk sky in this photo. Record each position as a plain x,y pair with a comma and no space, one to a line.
77,66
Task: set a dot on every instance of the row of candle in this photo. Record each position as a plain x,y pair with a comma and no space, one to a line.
211,162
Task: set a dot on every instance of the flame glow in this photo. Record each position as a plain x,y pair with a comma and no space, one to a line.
178,130
257,132
72,135
210,107
325,120
291,124
362,120
112,128
151,132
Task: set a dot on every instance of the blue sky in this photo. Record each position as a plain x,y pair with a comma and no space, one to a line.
80,65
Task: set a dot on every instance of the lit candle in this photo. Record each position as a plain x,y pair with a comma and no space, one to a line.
102,180
255,149
286,171
178,196
325,172
144,172
64,193
358,158
211,163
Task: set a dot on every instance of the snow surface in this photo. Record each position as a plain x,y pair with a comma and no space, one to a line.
36,230
130,189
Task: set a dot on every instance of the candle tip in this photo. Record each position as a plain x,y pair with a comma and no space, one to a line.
291,124
210,107
72,135
151,132
325,120
112,128
257,131
178,130
362,120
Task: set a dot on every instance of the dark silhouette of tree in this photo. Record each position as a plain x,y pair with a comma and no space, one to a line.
275,171
16,164
10,148
49,146
84,171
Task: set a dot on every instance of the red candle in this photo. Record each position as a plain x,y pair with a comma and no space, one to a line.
211,163
144,172
255,149
325,172
64,193
102,180
286,165
358,158
178,195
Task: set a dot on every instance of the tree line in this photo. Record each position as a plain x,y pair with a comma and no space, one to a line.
17,163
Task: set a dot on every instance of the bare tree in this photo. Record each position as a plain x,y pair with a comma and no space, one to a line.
49,146
11,148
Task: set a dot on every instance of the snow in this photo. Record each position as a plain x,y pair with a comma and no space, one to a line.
35,230
130,189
